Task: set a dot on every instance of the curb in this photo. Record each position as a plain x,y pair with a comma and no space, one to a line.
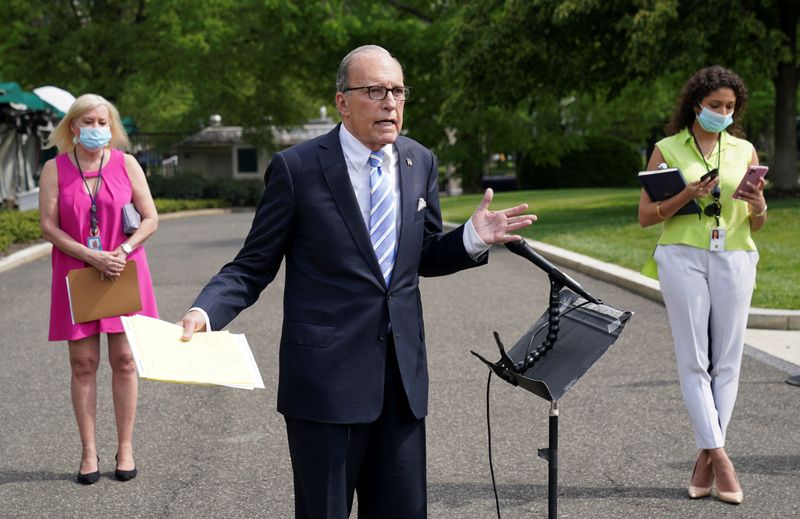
759,318
40,250
24,256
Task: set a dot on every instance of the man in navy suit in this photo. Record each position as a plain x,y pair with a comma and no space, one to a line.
353,383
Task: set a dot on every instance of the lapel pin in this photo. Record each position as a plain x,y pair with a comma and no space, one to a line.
409,163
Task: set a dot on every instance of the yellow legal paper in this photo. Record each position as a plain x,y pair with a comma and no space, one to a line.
219,358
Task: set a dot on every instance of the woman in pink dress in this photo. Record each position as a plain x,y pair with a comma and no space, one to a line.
82,192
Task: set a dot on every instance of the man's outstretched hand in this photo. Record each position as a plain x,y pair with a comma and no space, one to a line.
495,226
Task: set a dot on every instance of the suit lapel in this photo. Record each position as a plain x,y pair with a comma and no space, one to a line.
407,201
334,169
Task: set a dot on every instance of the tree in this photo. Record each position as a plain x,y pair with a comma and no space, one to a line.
520,54
758,38
171,63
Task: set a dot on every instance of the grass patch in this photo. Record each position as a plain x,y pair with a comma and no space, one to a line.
602,223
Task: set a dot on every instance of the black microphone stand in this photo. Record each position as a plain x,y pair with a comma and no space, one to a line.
550,376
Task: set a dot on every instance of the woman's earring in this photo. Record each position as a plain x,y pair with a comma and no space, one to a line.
75,139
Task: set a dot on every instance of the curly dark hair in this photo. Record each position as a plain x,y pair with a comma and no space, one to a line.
700,85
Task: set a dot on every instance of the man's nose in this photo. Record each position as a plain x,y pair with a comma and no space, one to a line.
389,101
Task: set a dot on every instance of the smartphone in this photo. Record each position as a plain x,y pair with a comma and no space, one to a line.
753,175
714,173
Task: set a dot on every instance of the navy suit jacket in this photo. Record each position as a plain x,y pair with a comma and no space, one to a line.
336,307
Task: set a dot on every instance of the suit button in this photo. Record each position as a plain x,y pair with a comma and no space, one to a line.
389,296
381,337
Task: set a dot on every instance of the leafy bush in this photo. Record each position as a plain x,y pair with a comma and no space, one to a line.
190,186
170,205
18,227
603,162
183,186
237,193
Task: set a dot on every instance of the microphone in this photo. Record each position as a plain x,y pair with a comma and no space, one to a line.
520,248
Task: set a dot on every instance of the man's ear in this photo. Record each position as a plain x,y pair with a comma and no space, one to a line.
342,105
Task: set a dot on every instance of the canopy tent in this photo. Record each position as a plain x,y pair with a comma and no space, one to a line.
56,97
25,122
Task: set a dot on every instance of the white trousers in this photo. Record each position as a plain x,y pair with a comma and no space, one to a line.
707,295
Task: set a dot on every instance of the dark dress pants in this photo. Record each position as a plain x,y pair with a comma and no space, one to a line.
382,461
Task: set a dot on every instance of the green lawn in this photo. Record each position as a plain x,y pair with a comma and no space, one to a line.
602,223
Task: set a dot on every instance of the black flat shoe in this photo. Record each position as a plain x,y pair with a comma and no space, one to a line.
124,475
90,478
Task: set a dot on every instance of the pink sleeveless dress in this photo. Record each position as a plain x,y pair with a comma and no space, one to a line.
74,205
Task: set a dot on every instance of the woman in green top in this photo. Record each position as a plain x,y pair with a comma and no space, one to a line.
707,262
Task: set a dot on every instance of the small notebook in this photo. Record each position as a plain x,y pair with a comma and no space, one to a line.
91,298
662,184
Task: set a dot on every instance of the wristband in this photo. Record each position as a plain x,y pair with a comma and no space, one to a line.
762,213
658,211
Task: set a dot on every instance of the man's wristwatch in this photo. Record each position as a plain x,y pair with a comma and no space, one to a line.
126,248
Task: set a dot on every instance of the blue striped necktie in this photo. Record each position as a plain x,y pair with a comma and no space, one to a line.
381,216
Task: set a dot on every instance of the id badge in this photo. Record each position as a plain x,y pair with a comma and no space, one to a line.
717,243
93,242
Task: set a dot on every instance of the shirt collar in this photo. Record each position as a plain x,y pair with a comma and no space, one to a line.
356,153
725,139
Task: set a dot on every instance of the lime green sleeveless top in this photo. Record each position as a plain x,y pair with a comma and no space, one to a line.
680,151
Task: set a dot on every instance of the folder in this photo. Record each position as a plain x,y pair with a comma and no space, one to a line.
92,298
662,184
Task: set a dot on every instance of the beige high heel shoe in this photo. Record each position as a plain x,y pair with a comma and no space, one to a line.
734,497
698,492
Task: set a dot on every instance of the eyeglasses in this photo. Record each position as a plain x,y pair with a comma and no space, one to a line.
379,93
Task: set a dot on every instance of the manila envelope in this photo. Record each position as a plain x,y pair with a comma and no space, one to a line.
91,298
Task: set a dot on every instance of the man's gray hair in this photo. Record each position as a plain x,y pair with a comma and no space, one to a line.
343,75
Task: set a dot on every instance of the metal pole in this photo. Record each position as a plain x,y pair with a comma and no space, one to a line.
552,472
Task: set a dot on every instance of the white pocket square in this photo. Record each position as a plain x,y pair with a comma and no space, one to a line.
421,204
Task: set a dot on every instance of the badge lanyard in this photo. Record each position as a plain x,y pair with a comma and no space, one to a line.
93,242
715,191
717,238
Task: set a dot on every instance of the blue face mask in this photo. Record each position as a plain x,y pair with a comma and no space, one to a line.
95,138
713,122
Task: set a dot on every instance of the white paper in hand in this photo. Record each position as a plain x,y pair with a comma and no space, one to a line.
219,358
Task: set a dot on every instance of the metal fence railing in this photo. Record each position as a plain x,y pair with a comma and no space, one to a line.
156,151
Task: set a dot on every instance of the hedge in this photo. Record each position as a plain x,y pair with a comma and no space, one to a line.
17,227
190,186
603,162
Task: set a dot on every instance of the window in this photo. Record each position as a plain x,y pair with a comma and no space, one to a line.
246,160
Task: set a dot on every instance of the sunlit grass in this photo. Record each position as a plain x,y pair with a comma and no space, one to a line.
602,223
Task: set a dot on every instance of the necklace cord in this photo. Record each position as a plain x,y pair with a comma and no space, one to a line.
92,196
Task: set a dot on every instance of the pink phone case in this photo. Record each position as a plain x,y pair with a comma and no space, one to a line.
754,173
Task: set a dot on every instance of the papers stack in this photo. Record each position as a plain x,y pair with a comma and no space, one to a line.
218,358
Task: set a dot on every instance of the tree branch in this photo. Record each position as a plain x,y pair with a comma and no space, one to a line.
410,10
139,13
